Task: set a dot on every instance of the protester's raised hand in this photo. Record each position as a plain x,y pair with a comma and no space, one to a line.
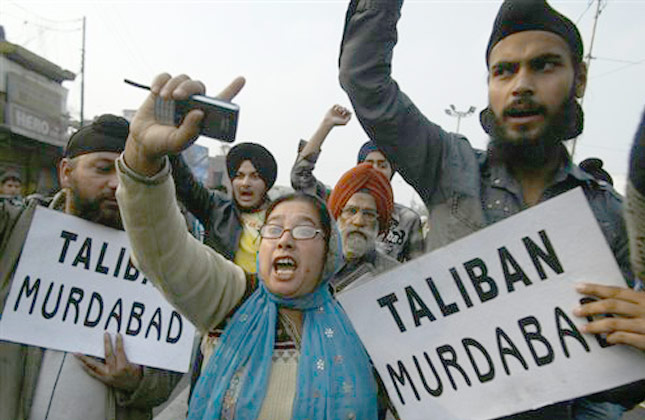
338,115
627,326
116,372
149,141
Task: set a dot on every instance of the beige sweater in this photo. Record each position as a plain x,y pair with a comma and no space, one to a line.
200,283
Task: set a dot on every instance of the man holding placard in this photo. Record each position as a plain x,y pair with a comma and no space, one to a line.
38,383
536,73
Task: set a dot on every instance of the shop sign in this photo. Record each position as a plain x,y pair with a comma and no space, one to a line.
31,124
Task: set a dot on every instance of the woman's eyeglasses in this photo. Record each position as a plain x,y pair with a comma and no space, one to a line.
300,232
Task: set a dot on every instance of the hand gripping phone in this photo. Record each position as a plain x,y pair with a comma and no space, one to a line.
220,117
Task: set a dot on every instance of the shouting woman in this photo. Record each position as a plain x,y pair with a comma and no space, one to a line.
327,375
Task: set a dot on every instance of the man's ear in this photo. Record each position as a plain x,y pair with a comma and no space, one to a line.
580,80
65,169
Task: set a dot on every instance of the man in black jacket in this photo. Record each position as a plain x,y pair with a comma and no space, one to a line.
231,225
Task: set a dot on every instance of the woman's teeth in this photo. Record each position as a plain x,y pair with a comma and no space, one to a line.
285,265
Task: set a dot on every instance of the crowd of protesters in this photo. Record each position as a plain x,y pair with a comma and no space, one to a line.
261,286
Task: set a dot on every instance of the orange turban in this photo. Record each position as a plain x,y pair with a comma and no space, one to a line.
364,177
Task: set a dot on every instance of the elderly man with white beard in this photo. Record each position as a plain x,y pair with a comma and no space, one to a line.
362,204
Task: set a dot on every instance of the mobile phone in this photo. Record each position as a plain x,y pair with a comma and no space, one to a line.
220,117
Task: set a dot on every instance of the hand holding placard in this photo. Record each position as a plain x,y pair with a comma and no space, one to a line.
482,328
116,372
628,327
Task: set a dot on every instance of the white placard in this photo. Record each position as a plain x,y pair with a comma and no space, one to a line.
74,281
483,328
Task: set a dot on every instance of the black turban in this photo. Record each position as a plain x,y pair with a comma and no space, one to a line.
533,15
107,133
260,157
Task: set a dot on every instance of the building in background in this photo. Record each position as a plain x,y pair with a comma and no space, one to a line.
34,121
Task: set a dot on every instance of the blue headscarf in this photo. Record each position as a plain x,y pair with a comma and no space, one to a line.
367,148
335,378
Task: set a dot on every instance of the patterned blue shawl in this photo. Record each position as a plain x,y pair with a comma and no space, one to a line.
335,379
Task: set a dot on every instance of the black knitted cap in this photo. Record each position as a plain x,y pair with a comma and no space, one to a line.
260,157
107,133
534,15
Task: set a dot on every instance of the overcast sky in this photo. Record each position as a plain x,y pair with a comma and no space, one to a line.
288,51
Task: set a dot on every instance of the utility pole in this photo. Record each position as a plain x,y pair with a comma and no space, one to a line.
593,32
452,111
588,60
83,77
